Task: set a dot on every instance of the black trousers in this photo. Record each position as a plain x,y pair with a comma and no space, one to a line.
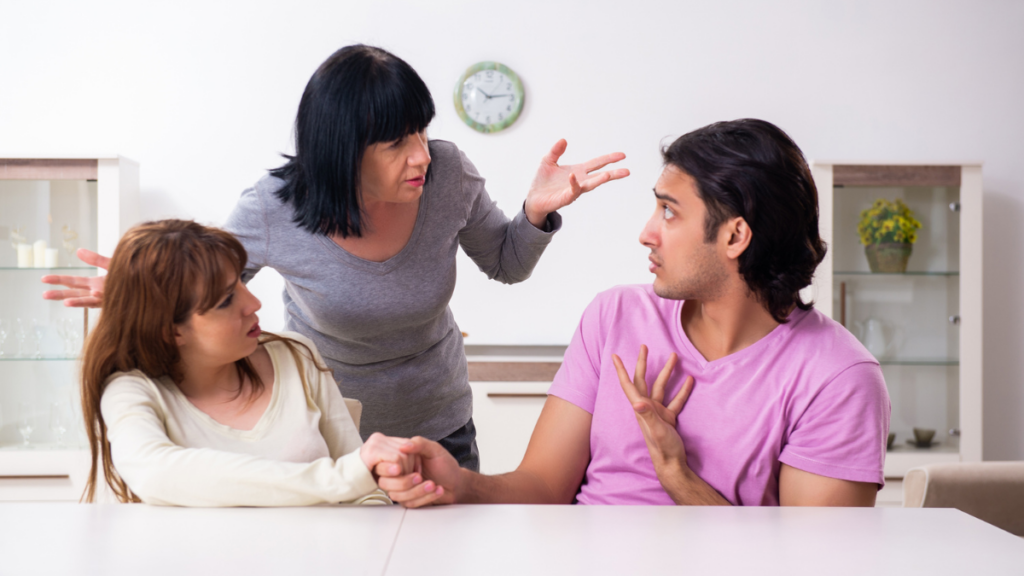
462,445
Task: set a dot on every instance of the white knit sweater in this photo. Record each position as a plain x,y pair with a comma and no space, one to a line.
303,450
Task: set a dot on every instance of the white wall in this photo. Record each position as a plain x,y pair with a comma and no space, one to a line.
203,95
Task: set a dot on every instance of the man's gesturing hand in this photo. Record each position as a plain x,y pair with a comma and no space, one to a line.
657,420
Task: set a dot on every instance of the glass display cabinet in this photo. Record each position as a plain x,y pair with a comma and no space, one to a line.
922,316
48,209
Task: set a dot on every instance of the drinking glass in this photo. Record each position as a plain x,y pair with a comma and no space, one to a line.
62,326
26,416
5,329
77,423
70,336
59,419
38,335
21,336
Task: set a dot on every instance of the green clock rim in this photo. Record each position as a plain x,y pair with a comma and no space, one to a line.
518,87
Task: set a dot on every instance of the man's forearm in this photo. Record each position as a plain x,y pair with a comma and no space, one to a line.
518,487
687,489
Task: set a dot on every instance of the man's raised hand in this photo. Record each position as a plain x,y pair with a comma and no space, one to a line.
657,420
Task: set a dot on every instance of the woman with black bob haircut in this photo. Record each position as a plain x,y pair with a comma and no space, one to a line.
752,169
364,223
359,97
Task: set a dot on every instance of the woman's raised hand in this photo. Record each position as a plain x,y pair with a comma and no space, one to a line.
557,186
84,291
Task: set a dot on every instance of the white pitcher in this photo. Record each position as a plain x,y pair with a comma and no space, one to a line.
872,333
874,337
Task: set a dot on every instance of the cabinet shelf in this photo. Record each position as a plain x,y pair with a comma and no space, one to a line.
898,274
13,268
41,447
946,447
919,361
43,359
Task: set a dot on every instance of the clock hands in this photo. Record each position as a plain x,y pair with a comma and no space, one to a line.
495,96
476,89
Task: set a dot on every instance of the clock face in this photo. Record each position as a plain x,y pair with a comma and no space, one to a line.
489,97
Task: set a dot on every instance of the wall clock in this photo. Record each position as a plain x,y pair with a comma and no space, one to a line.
489,97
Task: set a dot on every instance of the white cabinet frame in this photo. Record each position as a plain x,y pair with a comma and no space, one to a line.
60,474
970,305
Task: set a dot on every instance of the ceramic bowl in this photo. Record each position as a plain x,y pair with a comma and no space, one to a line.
923,436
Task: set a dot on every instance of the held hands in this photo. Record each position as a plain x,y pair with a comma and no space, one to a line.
557,186
657,420
436,481
85,292
381,452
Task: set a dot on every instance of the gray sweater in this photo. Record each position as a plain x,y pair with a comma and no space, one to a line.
385,328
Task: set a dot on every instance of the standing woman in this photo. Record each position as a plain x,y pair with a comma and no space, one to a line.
364,223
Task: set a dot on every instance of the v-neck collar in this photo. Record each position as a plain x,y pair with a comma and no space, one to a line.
382,268
767,341
259,429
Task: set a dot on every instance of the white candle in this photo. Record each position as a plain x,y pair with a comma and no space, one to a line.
39,250
25,255
51,257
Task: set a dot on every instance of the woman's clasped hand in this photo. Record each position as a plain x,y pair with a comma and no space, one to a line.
411,489
383,456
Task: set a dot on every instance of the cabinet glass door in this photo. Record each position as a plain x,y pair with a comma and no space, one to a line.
909,320
42,224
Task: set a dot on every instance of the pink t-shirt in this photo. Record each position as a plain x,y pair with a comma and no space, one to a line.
808,394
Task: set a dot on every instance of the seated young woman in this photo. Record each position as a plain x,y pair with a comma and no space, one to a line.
187,403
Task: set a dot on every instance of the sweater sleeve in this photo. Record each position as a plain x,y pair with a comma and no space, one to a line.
506,251
248,223
161,472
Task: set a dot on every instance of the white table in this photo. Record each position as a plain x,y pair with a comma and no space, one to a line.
69,539
591,540
141,540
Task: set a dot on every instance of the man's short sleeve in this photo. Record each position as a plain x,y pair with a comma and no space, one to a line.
577,378
843,430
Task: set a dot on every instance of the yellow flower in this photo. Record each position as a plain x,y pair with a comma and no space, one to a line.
887,221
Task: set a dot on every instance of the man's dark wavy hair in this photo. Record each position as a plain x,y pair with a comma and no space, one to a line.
359,96
751,168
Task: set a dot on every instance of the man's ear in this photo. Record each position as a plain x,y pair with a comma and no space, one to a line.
739,236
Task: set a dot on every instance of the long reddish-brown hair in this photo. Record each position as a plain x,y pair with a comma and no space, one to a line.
160,274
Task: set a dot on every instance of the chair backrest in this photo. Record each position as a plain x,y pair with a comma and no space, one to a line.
990,491
355,409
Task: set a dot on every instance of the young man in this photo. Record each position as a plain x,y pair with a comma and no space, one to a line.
762,400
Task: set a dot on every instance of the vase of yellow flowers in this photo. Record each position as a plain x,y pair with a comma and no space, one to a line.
888,231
